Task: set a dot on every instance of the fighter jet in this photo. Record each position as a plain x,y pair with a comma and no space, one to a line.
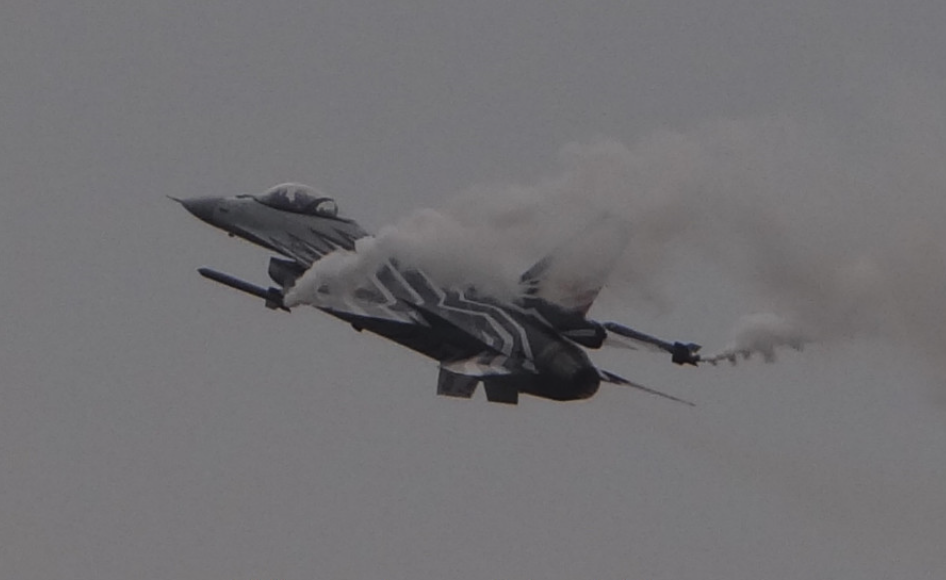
528,345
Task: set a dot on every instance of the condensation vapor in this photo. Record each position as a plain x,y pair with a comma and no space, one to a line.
829,232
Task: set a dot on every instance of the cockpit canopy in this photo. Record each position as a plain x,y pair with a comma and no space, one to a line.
299,198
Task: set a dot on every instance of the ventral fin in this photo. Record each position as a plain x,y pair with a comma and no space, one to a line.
501,392
453,385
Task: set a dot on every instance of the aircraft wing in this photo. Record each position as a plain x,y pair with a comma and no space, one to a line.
306,245
488,324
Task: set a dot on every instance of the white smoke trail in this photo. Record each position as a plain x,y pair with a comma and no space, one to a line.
832,237
761,333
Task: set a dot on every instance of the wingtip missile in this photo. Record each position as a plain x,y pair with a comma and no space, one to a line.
272,296
681,353
685,353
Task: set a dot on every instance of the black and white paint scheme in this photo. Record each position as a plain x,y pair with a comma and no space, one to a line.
523,344
780,166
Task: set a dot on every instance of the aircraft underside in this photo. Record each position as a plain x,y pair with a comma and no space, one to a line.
464,364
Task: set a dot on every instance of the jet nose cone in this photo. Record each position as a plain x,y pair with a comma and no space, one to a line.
202,207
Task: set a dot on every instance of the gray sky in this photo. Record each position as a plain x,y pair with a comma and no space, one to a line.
153,425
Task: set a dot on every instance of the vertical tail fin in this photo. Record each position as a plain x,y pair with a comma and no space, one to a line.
573,274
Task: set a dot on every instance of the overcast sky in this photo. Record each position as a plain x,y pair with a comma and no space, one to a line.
155,425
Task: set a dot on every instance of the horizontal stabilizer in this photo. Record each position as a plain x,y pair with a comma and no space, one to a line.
616,380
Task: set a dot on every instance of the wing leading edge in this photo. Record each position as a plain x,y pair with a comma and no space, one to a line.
573,274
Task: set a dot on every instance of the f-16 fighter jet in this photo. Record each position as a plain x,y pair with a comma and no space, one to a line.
528,345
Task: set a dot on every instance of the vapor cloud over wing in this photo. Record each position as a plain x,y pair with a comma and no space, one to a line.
830,237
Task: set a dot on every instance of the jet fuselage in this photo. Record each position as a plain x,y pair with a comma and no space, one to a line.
527,345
